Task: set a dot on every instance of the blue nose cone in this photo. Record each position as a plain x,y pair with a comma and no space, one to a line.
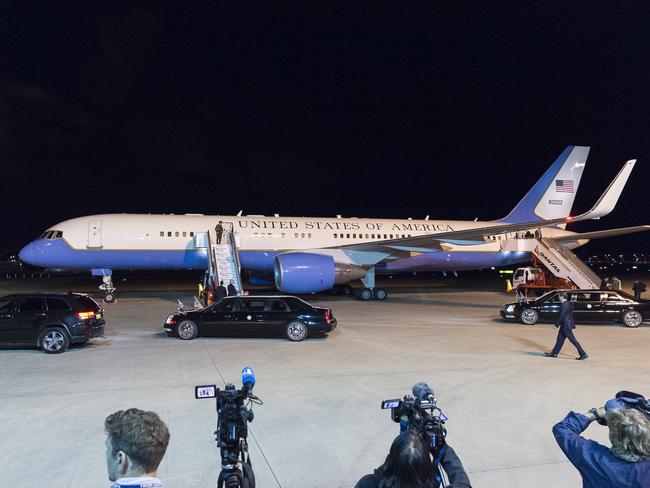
33,253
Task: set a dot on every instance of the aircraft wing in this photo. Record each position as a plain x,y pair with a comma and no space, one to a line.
478,235
599,234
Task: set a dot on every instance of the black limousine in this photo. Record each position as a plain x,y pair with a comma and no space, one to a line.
588,306
253,315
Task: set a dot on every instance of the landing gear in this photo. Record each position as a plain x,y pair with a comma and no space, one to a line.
370,292
380,294
365,294
108,288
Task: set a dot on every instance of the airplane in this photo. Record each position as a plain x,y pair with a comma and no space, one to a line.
312,254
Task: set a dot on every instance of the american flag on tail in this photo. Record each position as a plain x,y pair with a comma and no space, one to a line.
564,186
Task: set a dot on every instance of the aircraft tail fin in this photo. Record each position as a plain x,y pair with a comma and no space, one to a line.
553,195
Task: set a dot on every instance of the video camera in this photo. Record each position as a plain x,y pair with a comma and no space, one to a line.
233,415
627,399
421,412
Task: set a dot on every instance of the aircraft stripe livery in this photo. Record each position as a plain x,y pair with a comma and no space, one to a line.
285,250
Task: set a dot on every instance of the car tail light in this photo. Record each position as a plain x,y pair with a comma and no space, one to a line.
328,316
85,315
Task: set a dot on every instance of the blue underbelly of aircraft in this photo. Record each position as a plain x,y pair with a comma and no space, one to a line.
453,261
58,254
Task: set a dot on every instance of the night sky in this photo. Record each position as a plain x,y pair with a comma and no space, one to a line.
400,109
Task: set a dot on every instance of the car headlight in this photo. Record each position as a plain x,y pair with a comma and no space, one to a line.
510,308
170,319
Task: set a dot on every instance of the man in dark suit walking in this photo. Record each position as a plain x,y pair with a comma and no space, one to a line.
232,291
219,231
566,323
221,291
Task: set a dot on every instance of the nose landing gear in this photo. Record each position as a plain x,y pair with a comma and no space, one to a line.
107,286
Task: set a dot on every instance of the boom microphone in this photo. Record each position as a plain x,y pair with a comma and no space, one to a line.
248,378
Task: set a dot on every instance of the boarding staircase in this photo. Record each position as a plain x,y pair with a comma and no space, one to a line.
223,258
558,259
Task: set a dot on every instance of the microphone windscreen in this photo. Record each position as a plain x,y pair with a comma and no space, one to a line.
247,376
421,389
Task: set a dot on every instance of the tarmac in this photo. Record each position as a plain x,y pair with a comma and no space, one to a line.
320,425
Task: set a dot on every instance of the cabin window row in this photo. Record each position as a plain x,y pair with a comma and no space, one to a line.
297,235
176,233
370,236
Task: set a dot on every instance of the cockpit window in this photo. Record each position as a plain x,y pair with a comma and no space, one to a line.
52,234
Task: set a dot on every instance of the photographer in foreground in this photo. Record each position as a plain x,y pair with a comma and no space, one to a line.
627,462
135,444
409,465
420,456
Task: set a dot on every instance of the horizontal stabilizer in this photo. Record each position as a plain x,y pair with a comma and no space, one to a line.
599,234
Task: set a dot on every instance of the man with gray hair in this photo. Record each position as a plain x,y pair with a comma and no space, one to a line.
625,465
566,324
135,444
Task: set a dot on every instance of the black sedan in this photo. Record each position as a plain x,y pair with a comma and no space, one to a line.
253,315
588,306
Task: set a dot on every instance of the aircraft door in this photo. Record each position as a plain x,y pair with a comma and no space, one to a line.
94,233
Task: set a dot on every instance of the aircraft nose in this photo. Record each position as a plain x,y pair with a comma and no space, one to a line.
30,253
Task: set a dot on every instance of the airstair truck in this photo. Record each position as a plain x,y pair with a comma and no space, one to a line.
537,281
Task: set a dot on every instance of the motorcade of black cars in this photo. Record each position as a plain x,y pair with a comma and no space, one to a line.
51,321
253,315
588,306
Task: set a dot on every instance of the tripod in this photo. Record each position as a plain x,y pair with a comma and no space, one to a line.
236,473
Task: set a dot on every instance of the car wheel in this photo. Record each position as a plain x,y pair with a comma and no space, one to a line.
54,341
632,318
529,316
296,331
187,330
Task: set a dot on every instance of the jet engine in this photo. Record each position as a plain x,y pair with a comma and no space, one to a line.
300,272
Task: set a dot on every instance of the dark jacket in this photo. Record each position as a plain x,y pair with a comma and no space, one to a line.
221,292
596,463
232,291
565,321
450,464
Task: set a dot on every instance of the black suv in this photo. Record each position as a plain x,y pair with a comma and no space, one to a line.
253,315
51,321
